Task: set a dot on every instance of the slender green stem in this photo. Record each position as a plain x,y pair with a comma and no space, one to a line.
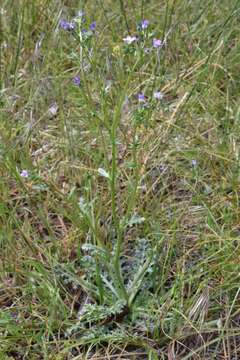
118,227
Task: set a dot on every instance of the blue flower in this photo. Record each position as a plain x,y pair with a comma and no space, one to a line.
141,97
144,24
76,80
67,26
64,24
92,26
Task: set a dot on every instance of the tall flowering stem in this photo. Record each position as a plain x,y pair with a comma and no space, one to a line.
118,224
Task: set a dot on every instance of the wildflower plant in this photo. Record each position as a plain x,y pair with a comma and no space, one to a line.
108,278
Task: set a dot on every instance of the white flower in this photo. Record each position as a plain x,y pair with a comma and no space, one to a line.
158,95
129,39
24,173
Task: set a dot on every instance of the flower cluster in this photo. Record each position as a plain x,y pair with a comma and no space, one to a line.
143,26
76,24
144,34
79,19
157,95
156,44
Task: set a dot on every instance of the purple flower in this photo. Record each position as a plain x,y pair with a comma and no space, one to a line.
92,26
24,173
129,39
157,43
141,97
194,163
144,24
76,80
65,25
158,95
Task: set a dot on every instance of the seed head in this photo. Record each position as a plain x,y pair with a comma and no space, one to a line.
147,50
